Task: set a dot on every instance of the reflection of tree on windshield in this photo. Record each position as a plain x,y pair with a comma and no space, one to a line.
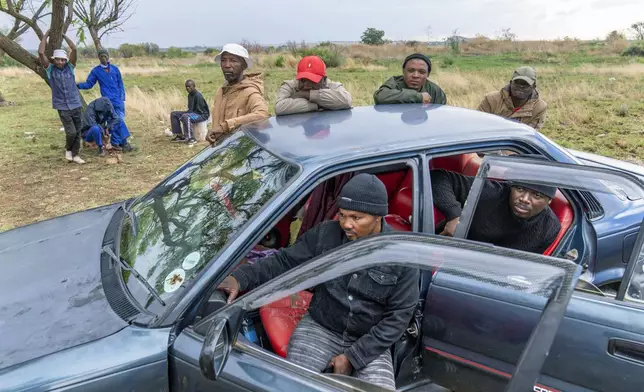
202,207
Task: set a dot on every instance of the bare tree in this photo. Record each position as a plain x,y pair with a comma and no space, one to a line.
507,35
102,17
26,14
638,29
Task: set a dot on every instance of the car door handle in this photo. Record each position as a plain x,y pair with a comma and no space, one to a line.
626,349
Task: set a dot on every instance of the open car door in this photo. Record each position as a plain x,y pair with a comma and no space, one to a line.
213,353
498,337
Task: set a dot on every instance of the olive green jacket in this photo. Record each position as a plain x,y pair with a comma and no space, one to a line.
395,91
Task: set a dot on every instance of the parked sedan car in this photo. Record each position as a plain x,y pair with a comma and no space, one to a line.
123,297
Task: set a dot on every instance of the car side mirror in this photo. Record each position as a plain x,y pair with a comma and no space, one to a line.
216,349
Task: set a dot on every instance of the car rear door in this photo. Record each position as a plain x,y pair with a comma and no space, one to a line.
473,338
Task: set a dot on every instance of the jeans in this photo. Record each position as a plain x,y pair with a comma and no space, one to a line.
187,119
72,123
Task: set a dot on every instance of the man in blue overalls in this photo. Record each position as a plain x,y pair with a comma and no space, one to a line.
109,79
65,97
99,121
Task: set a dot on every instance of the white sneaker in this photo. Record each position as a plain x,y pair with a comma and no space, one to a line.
68,156
78,160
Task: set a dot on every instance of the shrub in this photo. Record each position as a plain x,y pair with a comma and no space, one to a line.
131,50
636,49
210,52
174,52
331,55
412,43
447,62
279,61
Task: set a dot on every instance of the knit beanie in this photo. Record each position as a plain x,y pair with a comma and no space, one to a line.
103,51
364,193
419,56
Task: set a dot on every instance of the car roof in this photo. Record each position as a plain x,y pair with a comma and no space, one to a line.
326,136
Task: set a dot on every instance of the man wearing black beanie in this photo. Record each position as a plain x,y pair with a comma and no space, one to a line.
352,320
512,215
413,86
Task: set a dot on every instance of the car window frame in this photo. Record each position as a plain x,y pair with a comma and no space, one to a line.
635,256
294,192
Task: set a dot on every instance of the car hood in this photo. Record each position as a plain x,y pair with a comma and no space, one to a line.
598,160
51,295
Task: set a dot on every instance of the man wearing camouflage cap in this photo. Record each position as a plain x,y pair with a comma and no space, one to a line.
518,101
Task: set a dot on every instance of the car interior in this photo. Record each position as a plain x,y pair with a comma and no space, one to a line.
271,326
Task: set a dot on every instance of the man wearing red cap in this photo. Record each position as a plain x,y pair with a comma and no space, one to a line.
311,91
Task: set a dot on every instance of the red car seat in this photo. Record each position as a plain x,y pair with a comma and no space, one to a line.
281,317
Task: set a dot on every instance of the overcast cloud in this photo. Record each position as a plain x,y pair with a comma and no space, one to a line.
214,23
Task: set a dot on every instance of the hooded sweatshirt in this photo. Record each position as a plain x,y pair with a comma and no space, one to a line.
532,113
396,91
240,103
99,112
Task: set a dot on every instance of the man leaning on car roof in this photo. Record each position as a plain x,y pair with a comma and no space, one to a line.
241,99
311,90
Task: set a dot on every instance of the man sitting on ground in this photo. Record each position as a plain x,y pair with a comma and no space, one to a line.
241,99
198,111
413,86
519,100
99,122
311,90
349,326
511,215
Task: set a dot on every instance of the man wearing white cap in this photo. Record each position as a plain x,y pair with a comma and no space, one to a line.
64,94
518,101
241,99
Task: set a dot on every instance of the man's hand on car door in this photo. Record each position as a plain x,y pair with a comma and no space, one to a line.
231,287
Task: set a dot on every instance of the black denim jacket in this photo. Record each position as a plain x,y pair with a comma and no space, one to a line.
372,307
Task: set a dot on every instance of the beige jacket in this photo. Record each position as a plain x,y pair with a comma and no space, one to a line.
333,97
240,104
532,113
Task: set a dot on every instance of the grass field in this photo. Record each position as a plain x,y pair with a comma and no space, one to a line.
596,104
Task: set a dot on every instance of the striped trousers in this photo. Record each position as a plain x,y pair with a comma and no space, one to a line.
312,346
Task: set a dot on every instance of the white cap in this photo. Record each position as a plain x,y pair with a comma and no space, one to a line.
59,54
237,50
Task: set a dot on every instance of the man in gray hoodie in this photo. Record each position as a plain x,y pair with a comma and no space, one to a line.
311,90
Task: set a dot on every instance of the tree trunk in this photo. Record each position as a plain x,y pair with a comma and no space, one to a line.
96,39
22,56
56,32
2,100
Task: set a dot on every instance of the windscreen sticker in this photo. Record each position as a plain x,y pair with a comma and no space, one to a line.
174,280
191,261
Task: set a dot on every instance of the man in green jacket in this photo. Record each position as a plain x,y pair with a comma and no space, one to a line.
412,86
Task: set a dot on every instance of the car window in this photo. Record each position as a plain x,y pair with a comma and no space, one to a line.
177,228
285,301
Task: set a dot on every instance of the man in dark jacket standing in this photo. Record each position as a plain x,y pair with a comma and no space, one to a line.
64,94
413,86
198,111
99,119
352,320
511,215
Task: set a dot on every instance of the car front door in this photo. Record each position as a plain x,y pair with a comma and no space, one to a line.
600,343
213,355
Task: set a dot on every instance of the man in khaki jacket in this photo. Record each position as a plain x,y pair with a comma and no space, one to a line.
241,99
311,90
518,101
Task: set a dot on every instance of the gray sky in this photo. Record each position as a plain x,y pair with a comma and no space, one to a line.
211,23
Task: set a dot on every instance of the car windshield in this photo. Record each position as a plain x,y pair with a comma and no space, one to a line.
171,233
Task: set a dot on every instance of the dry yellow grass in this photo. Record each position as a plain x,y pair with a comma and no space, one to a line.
155,106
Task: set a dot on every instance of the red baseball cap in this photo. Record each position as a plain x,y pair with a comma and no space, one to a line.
311,68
